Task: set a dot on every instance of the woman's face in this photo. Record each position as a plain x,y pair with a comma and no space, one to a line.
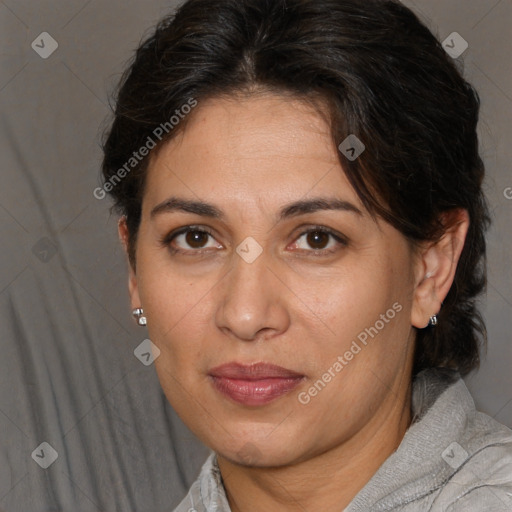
281,267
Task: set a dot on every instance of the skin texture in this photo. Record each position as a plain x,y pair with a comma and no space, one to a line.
251,156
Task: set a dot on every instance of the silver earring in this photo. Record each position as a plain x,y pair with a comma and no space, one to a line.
138,314
432,322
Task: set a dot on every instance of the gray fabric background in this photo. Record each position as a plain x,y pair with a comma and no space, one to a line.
68,375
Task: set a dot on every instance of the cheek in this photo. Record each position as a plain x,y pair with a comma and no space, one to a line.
361,347
176,312
361,311
348,298
177,308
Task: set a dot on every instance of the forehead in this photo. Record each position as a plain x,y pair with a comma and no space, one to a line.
252,147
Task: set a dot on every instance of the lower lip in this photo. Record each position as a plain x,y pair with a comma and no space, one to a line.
255,392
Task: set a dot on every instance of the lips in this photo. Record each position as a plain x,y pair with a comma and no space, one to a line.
254,385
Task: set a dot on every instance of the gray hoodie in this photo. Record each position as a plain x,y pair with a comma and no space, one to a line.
451,459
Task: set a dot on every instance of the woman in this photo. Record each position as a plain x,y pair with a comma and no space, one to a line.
300,190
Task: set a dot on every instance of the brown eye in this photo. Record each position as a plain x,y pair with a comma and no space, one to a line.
318,239
191,240
196,239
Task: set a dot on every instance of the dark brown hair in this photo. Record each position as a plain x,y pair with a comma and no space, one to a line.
383,76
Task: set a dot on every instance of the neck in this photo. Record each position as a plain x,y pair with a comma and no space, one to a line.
329,480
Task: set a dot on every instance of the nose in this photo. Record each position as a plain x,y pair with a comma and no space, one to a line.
253,301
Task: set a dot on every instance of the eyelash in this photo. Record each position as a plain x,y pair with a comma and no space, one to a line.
167,240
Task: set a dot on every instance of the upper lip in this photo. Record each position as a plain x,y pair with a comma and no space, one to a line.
255,371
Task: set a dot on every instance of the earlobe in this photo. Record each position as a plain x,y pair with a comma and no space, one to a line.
437,266
426,302
132,278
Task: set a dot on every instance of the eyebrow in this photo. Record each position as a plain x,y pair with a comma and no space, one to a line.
294,209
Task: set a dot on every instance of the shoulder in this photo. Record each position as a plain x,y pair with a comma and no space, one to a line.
482,460
207,492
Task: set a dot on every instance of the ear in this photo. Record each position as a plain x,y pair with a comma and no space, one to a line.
436,267
122,229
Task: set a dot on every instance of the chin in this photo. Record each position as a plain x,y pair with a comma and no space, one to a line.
259,450
252,454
